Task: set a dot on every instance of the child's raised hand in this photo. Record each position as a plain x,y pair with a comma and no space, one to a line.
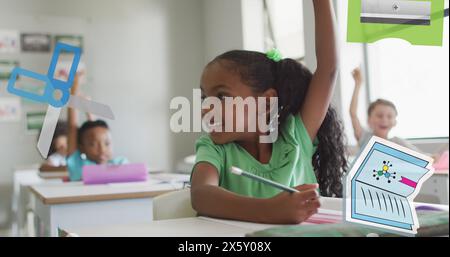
294,208
357,76
76,84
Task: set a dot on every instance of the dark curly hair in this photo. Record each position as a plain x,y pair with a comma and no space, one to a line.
61,129
291,80
90,125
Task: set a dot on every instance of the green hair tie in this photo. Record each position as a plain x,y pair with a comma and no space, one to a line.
275,55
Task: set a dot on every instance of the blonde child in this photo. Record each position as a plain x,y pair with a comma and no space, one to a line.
382,118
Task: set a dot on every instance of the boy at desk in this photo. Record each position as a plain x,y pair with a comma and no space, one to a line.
90,144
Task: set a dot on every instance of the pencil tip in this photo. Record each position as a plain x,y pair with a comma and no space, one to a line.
236,171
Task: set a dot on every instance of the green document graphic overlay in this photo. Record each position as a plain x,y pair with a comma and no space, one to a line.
428,35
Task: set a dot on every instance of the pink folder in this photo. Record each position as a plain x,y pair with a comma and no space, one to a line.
442,163
106,174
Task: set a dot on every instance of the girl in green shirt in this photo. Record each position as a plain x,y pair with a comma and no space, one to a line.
308,153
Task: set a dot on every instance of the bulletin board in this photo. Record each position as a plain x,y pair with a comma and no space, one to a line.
28,42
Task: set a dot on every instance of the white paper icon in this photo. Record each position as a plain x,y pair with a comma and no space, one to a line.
382,184
396,12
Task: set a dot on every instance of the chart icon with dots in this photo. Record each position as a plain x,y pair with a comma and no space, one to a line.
381,186
386,172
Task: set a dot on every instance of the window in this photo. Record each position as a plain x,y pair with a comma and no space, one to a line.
415,78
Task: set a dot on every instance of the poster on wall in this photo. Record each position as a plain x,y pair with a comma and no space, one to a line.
10,109
9,41
63,68
34,121
73,40
33,87
6,67
36,42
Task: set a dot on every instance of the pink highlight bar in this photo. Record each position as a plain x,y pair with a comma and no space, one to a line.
408,182
323,218
107,174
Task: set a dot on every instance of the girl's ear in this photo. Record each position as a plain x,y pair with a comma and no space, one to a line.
270,93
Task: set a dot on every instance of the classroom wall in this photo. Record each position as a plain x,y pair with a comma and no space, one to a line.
222,26
138,54
132,52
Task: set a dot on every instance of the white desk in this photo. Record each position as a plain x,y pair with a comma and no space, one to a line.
54,175
23,178
187,227
74,204
194,226
435,189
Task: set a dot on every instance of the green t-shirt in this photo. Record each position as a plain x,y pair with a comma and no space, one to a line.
290,164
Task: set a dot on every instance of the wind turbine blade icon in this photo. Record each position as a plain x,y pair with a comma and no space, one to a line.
90,106
47,131
52,117
55,105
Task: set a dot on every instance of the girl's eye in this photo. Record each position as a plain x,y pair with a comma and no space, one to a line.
221,97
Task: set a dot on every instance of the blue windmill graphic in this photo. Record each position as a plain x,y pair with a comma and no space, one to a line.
56,95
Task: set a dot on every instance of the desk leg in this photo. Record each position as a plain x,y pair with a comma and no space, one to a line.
42,219
23,209
14,206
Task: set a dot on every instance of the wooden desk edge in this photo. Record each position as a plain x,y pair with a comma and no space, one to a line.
53,176
94,198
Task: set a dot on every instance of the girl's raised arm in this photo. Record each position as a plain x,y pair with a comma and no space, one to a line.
73,122
318,98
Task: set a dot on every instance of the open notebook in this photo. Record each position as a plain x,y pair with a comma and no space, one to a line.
382,184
